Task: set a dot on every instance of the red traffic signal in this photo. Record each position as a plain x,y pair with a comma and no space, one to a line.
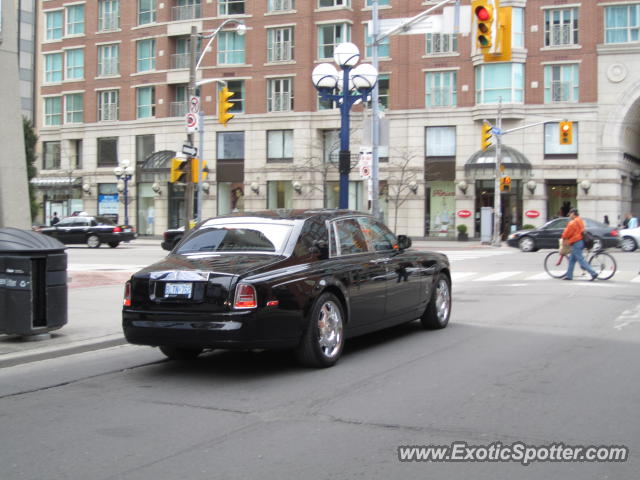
483,13
566,133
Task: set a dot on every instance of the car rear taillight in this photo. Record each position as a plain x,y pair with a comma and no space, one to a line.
127,294
245,296
614,233
117,230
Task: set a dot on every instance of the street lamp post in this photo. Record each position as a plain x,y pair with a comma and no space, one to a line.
123,173
346,87
194,64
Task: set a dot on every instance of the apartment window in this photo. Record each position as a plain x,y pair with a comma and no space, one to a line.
280,44
561,83
329,36
279,145
51,154
332,195
230,7
230,48
383,47
279,194
230,145
237,87
186,9
281,5
108,15
383,91
437,43
107,151
280,95
333,3
53,25
75,20
622,23
73,108
560,27
145,146
107,105
380,2
440,89
53,67
440,142
52,111
108,60
74,64
552,145
500,80
146,11
146,102
517,27
76,147
146,54
180,104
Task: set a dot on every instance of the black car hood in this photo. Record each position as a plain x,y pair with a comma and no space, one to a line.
225,264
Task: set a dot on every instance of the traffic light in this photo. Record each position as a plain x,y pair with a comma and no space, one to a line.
504,35
487,137
566,133
483,14
505,184
178,169
194,170
224,105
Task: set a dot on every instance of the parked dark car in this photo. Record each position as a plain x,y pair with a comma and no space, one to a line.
171,237
548,235
93,231
302,280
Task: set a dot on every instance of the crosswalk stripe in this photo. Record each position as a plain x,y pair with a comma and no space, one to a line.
457,276
539,276
636,279
497,276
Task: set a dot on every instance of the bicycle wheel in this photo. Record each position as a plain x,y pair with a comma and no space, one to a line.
604,265
556,265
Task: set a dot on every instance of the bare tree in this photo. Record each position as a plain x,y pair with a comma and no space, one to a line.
401,181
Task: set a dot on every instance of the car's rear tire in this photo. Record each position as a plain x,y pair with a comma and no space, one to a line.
93,241
527,244
438,311
114,244
322,342
181,354
628,244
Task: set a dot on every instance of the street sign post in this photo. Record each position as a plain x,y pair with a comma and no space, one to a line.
192,122
189,150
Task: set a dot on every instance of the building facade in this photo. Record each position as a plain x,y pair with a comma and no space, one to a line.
113,86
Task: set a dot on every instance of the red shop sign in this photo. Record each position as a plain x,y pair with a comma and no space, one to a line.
464,213
532,213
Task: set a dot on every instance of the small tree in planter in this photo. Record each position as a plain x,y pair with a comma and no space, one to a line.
462,233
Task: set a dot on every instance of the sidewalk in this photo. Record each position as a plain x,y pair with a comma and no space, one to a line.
94,312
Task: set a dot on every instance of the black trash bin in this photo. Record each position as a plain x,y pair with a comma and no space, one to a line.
33,283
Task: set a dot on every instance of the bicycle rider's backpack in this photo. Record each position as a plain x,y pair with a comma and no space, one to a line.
587,238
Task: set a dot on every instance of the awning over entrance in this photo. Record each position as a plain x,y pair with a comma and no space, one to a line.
513,160
55,182
158,160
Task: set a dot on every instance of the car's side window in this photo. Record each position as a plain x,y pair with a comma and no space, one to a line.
65,223
378,235
350,238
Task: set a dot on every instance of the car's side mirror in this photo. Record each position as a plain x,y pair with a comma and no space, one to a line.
319,248
404,242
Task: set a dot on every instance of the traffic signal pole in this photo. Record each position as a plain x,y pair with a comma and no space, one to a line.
188,190
497,195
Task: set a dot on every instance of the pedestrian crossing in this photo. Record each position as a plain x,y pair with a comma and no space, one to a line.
473,254
528,276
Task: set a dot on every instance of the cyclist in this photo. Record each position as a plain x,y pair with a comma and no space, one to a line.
572,235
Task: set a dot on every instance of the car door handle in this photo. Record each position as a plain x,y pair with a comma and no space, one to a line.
430,270
379,260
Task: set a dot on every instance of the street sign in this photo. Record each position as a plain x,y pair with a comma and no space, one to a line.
189,150
192,122
444,23
194,104
365,171
464,213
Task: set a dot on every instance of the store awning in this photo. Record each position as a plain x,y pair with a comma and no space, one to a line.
511,158
56,182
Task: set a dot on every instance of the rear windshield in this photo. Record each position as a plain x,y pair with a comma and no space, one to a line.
237,237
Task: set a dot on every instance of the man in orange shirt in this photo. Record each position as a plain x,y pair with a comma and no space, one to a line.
572,235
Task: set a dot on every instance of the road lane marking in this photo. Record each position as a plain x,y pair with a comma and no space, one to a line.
457,276
539,276
497,276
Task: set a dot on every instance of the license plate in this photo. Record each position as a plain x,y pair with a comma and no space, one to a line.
182,290
126,230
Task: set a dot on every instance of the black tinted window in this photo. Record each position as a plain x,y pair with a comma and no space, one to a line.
237,238
314,229
377,234
350,237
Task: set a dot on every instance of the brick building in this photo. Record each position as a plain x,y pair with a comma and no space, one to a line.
113,84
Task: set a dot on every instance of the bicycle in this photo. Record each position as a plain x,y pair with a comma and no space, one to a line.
556,264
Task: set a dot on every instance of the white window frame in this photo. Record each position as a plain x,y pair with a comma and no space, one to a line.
152,12
434,88
566,32
69,113
333,3
630,31
552,145
68,24
52,119
280,94
345,37
71,72
108,60
558,91
151,106
108,15
280,44
281,5
225,7
108,105
151,59
515,90
440,43
50,32
280,145
49,71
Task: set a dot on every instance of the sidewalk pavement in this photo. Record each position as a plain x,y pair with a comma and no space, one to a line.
94,318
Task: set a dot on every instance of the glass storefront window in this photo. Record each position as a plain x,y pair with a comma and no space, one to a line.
230,197
146,209
279,194
332,195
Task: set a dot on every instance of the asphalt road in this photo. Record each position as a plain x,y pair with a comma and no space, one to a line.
538,361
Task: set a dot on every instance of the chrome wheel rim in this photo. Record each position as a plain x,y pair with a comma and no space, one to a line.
93,241
526,244
443,301
628,244
329,329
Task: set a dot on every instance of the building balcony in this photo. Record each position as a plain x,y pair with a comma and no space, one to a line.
186,12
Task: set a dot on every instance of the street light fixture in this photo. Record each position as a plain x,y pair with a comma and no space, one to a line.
346,87
123,173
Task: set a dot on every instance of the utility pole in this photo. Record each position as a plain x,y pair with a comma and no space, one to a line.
188,190
497,195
